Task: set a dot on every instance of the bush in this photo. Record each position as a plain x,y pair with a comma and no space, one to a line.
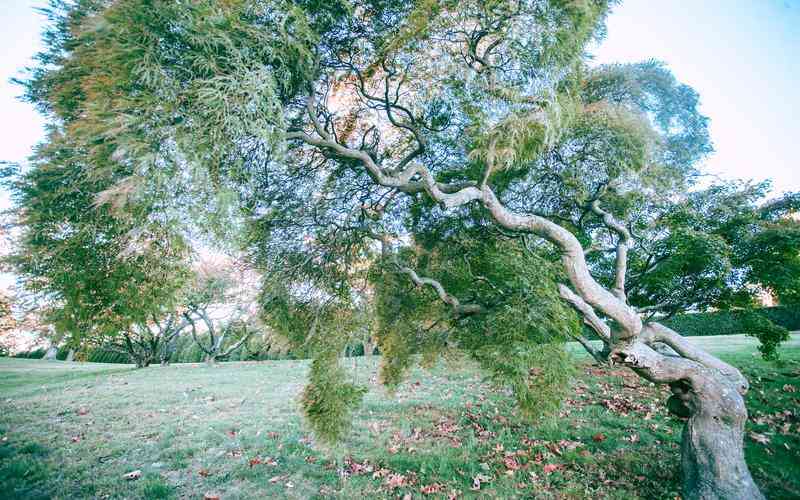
34,354
731,322
103,356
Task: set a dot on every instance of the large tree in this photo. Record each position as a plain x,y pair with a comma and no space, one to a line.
469,140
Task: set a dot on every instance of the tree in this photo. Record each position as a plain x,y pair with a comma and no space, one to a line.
220,289
469,138
146,341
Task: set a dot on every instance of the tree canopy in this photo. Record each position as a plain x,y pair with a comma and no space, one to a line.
459,164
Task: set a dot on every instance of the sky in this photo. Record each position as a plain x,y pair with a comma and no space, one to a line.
742,56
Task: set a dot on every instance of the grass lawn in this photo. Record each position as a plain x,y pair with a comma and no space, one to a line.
72,430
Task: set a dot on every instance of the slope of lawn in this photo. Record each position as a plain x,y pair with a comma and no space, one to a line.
72,430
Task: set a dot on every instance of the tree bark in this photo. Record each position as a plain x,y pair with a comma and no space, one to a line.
712,451
51,353
712,448
70,355
211,359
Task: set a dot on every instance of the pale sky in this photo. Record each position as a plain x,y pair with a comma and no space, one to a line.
742,56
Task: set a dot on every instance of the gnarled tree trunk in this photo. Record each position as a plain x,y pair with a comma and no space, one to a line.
712,448
712,453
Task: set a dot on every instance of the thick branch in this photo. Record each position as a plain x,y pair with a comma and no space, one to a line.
656,332
236,345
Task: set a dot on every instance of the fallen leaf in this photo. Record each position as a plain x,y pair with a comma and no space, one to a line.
430,489
550,468
789,388
511,463
132,476
395,481
759,438
211,495
276,479
478,480
599,437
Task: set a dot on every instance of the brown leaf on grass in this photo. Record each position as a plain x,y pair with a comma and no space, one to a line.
550,468
255,461
231,433
276,479
204,472
75,439
211,495
395,481
430,489
789,388
569,445
355,468
380,473
82,411
759,438
511,463
132,476
599,437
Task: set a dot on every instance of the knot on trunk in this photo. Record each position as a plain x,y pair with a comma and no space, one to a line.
680,403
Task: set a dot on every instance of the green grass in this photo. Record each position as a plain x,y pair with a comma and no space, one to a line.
72,430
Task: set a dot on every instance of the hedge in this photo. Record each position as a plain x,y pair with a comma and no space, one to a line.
730,322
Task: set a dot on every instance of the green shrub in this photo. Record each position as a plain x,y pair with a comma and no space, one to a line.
34,354
731,322
103,356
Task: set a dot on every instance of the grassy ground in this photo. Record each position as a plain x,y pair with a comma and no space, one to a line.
70,430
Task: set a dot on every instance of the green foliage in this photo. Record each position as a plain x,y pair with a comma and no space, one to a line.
517,338
729,322
768,333
717,248
329,399
33,354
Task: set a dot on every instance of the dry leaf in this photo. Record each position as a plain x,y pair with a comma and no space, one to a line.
132,476
759,438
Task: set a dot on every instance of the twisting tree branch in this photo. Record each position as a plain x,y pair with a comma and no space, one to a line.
624,242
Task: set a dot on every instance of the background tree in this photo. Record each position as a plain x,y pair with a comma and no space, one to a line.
222,298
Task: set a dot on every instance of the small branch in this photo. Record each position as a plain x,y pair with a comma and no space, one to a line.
623,244
589,315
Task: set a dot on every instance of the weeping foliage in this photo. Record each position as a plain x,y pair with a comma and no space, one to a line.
329,398
519,336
